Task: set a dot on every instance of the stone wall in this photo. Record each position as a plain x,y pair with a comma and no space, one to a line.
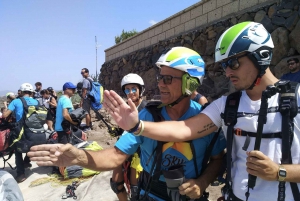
280,19
203,13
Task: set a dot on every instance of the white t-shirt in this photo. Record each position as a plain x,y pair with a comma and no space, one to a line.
263,190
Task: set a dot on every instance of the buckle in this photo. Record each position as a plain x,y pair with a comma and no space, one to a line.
238,132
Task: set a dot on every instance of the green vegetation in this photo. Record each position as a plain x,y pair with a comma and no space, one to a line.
75,99
124,35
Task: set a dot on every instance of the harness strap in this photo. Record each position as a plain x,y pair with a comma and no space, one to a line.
239,132
288,112
230,119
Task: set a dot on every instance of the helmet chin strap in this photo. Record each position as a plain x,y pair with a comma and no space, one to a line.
177,101
261,70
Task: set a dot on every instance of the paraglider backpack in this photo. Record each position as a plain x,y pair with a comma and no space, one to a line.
95,95
288,109
34,116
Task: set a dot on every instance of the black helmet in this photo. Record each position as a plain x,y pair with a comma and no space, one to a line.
50,89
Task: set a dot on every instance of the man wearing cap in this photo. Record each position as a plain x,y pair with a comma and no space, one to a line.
294,74
64,106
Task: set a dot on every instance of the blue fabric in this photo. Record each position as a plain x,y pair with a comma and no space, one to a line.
295,77
16,106
173,153
63,103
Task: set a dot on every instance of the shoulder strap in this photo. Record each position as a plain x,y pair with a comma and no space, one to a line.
209,150
230,119
91,83
155,111
25,106
288,108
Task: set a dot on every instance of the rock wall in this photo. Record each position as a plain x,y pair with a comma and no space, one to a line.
280,19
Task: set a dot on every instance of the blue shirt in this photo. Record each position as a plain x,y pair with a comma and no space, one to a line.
172,153
295,77
63,103
16,106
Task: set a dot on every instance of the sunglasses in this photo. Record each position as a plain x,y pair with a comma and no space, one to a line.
291,63
233,63
133,90
82,73
167,79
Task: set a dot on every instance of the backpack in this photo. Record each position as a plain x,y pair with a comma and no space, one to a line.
288,109
96,95
5,141
34,116
30,129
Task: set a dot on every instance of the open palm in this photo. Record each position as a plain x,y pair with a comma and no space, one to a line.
54,155
125,115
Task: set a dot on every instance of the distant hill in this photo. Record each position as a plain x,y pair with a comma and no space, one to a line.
4,92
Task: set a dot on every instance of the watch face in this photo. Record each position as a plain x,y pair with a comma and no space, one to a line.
282,173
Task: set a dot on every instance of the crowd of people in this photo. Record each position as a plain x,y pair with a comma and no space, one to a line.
174,146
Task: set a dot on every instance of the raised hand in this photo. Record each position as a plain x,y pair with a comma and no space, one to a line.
54,155
125,115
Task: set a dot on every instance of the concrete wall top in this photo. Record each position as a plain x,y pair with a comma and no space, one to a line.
203,13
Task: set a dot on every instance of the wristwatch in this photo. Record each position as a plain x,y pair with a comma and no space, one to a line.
281,173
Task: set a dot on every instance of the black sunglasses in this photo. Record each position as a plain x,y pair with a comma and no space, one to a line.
167,79
233,63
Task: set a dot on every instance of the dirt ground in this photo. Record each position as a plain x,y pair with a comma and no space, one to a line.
100,134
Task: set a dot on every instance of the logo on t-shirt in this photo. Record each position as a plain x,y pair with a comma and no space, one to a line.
176,153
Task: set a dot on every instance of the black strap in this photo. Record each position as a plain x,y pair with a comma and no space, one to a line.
230,119
288,110
239,132
209,150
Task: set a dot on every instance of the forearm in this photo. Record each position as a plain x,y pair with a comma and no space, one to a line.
292,172
68,117
178,131
211,172
103,160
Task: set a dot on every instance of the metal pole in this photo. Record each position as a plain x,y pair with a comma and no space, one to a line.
96,58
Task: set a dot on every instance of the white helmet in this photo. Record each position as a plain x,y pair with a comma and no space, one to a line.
133,78
26,87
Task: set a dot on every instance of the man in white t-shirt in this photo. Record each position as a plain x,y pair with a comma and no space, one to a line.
245,53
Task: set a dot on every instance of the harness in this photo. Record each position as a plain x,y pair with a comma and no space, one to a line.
288,109
150,181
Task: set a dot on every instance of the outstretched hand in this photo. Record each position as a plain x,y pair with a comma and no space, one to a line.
54,155
125,115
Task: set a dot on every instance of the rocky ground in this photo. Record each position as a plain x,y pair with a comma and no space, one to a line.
101,135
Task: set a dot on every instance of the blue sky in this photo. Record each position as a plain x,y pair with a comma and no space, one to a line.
52,40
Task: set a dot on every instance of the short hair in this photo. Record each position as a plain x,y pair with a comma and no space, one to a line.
86,70
38,84
44,91
293,59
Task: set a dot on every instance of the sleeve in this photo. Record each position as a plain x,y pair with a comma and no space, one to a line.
214,110
12,106
7,184
86,84
220,144
67,103
129,143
